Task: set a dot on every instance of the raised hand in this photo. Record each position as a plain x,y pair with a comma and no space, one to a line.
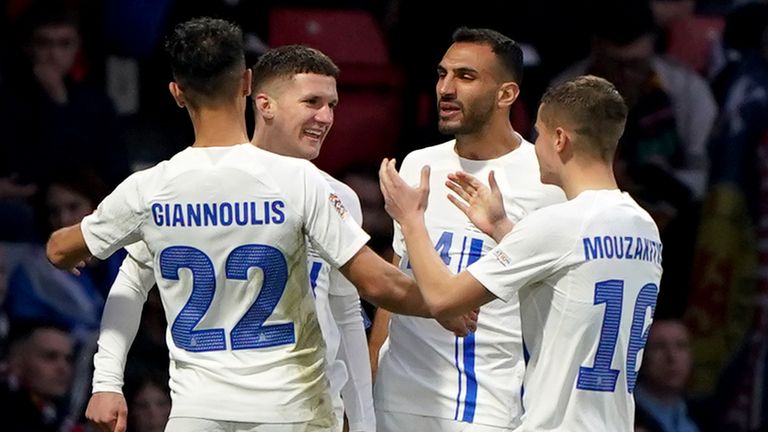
403,202
483,205
108,411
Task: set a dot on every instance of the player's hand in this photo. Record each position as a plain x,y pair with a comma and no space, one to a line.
108,411
403,202
76,269
483,205
462,325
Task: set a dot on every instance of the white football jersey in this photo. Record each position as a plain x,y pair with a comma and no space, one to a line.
587,275
226,229
320,281
423,368
325,281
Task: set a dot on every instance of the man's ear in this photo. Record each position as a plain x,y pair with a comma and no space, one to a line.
564,144
265,105
247,81
177,93
508,93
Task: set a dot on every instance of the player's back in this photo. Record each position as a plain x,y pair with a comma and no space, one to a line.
226,229
585,324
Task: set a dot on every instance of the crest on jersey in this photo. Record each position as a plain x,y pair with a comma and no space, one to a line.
502,257
336,201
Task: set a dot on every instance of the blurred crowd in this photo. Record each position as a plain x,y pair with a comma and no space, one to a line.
83,103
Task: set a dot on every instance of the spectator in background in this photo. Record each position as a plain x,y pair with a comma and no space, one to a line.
149,403
671,107
728,310
54,116
660,392
667,11
662,160
742,45
40,373
4,324
37,290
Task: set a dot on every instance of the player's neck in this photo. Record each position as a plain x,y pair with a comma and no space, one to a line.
218,127
581,176
491,142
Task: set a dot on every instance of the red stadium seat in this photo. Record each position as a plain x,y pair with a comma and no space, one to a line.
691,40
347,36
368,120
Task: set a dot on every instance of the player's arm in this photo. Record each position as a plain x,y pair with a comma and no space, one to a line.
445,294
341,242
357,392
483,205
379,334
66,248
383,284
113,225
119,325
379,330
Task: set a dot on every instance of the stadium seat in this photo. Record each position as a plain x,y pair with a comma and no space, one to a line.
692,39
368,117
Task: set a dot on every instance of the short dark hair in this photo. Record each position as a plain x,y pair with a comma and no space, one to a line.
22,330
592,107
46,13
207,58
507,50
289,60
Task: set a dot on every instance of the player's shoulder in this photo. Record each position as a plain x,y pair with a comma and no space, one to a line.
148,175
555,217
347,195
595,207
431,154
285,167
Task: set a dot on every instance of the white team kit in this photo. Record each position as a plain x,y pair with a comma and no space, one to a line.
341,321
226,229
425,370
587,275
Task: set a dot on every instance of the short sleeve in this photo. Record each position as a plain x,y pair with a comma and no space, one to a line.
117,219
532,251
328,224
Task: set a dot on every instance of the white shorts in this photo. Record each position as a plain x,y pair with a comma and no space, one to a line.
190,424
387,421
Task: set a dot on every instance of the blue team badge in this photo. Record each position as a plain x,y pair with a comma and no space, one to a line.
336,201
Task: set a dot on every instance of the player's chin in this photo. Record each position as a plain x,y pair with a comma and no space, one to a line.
449,127
311,152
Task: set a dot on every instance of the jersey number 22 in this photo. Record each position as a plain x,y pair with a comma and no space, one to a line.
250,332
